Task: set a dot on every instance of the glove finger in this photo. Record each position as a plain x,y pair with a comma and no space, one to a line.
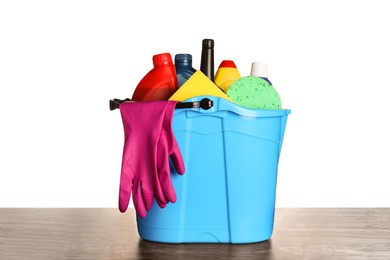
138,200
161,205
124,192
177,158
161,150
126,181
166,183
164,175
159,193
147,192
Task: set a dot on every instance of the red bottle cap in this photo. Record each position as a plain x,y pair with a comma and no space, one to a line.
227,64
162,59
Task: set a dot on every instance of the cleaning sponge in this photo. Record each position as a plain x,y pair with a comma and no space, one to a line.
254,92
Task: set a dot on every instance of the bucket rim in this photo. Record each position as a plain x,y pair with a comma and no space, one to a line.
221,104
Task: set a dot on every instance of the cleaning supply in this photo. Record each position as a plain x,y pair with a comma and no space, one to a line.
260,69
254,92
226,74
160,82
228,193
184,69
149,142
207,58
198,85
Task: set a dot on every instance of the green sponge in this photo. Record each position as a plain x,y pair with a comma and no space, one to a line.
254,92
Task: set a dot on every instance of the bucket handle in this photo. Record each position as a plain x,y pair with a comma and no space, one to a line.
205,103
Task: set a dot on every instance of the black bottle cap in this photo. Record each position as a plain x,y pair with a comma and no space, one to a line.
208,43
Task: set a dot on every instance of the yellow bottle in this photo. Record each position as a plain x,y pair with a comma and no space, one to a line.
226,74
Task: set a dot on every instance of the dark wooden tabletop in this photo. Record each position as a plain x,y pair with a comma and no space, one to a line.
331,233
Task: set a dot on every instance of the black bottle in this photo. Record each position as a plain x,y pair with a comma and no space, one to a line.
207,59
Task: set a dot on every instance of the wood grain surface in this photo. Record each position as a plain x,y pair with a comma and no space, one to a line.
67,233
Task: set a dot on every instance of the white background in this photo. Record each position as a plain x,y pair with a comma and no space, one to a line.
61,62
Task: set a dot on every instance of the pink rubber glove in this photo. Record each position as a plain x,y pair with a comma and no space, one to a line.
168,147
145,150
142,123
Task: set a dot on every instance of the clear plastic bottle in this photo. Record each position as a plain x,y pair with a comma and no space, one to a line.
184,69
160,83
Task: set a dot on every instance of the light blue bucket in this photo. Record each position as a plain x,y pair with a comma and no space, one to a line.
227,194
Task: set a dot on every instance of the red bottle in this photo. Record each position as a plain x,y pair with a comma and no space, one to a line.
159,83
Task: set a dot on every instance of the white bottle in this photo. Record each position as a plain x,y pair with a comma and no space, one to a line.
260,69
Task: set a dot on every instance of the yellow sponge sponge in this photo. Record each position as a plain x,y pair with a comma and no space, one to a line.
198,85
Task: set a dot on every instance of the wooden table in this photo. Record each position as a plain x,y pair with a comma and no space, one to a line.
58,233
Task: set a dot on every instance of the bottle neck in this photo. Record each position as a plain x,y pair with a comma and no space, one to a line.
183,60
184,64
207,59
162,60
159,65
207,62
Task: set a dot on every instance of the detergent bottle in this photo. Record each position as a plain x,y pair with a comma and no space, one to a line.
260,69
160,82
184,69
226,74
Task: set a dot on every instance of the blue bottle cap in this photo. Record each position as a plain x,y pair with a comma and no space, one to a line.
183,58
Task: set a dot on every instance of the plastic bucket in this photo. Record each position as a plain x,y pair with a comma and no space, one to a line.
227,194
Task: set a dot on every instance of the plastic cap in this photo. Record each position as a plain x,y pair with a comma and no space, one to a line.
208,43
162,59
259,69
183,58
227,64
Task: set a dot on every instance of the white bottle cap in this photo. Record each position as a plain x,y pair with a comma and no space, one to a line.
259,69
